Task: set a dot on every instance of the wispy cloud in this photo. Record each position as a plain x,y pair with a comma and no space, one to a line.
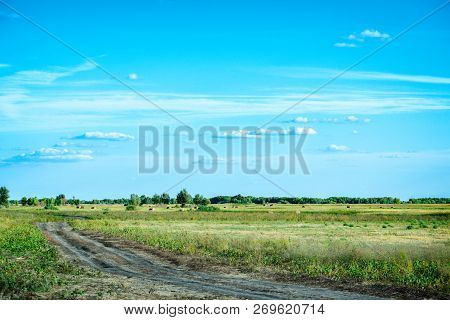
362,75
350,118
259,133
301,119
337,148
372,33
110,136
71,144
4,65
319,73
43,77
356,119
353,38
108,108
51,155
344,45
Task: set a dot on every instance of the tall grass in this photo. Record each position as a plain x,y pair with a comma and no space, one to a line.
333,260
28,264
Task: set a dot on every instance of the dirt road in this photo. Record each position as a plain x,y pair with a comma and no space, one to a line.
114,258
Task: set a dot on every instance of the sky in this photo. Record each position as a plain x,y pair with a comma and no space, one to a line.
78,79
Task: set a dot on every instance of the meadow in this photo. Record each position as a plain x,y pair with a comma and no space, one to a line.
28,263
403,246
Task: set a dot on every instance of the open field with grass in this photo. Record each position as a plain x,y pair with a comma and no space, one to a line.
402,247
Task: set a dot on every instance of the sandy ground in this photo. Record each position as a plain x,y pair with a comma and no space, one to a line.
127,271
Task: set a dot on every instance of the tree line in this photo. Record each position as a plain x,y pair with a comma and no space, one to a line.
184,198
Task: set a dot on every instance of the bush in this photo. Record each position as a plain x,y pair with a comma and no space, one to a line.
50,207
208,208
130,207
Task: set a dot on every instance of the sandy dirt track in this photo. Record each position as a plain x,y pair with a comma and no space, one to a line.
112,258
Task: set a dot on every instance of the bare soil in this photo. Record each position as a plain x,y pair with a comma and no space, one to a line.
124,270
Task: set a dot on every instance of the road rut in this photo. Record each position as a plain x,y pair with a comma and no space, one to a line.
134,263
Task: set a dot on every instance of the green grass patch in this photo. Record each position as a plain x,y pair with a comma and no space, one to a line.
28,263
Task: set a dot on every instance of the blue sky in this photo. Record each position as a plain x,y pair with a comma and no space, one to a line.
380,129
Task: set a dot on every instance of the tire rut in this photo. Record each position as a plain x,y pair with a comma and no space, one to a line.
135,264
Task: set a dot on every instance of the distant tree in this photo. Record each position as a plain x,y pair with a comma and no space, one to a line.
197,199
49,204
165,198
156,199
183,197
135,200
24,201
201,200
4,196
143,199
33,201
61,200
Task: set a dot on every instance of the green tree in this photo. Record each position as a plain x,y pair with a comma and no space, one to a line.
156,199
61,200
201,200
4,196
24,201
50,204
165,198
183,197
33,201
135,200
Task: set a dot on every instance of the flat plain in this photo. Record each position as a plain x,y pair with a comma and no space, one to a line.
388,251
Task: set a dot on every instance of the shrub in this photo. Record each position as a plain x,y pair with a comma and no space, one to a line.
130,207
50,207
208,208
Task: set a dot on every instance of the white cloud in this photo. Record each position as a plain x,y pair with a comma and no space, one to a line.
330,120
90,108
4,65
266,132
132,76
51,155
374,34
111,136
301,119
355,131
304,131
324,73
366,120
334,147
367,33
352,118
344,45
364,75
41,77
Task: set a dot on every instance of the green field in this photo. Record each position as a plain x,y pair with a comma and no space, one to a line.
403,246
